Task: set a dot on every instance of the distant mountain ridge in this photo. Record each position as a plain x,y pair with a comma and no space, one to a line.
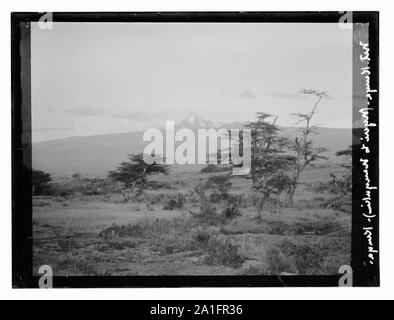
195,121
96,155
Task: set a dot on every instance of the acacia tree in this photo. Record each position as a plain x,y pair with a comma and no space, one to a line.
40,181
270,160
76,176
305,153
340,187
134,173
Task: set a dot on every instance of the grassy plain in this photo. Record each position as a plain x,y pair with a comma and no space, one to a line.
106,233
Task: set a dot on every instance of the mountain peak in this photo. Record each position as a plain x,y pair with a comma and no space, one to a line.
194,120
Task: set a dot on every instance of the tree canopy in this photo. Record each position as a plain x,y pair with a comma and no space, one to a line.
134,172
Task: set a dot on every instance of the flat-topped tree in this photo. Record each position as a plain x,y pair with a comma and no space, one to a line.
134,173
305,153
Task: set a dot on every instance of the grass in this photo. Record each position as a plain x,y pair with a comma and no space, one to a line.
176,235
220,249
317,227
147,229
267,225
98,232
314,246
213,168
309,256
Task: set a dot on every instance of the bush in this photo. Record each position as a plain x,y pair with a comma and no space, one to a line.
178,234
254,267
311,255
231,212
278,262
172,243
220,182
239,200
299,258
60,190
212,168
175,203
208,212
156,185
148,229
316,227
265,203
221,251
40,182
319,227
200,236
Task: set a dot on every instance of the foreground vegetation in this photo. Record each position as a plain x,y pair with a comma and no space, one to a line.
94,227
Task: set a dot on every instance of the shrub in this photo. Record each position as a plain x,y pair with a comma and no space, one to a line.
300,258
254,267
148,229
172,243
220,184
178,234
40,182
212,168
167,236
303,204
60,190
76,176
221,251
200,236
264,203
99,187
310,255
239,200
131,230
79,266
317,227
278,262
40,203
231,212
208,214
156,185
175,203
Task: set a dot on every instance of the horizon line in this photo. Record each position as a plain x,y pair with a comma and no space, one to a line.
125,132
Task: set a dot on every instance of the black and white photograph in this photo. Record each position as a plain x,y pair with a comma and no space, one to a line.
187,149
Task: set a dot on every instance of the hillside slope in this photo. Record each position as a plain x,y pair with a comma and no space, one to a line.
96,155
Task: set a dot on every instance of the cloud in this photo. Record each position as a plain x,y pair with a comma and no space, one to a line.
283,95
289,95
52,129
248,94
88,112
133,115
121,114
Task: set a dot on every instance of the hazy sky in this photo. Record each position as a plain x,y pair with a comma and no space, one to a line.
97,78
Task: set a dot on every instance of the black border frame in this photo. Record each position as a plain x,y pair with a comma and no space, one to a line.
363,275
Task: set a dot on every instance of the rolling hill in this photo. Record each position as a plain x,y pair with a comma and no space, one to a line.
96,155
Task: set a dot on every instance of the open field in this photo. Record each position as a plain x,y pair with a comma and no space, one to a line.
106,233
